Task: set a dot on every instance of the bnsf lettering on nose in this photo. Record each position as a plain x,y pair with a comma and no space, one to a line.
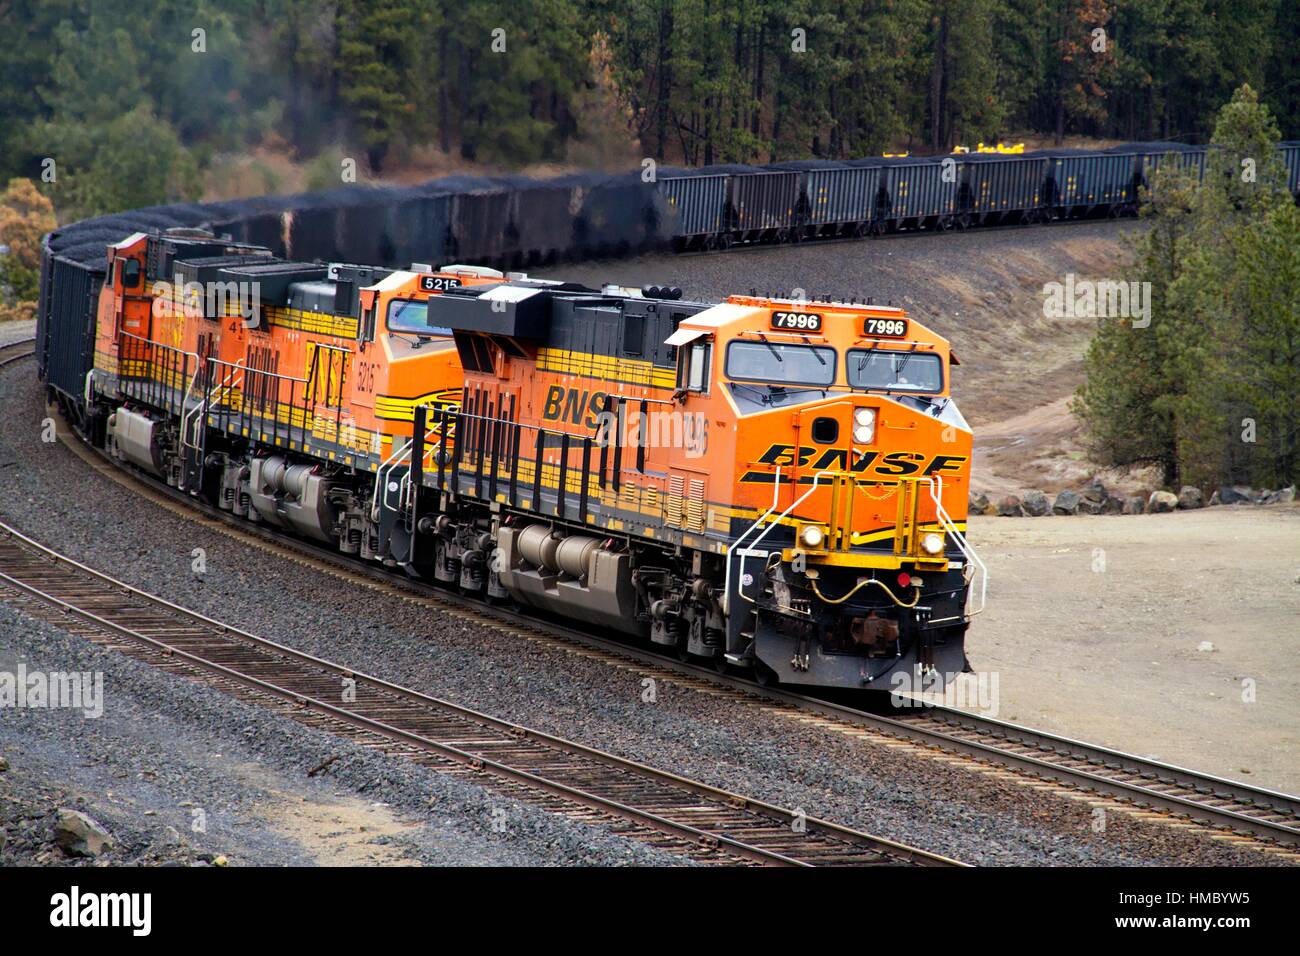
573,405
894,464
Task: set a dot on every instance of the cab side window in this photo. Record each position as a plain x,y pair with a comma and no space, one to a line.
130,274
694,366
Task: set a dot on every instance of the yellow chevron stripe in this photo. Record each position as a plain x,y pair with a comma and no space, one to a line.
605,367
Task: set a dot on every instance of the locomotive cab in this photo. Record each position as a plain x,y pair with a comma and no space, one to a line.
848,564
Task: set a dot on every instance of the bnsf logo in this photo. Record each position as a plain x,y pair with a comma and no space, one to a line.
896,464
573,405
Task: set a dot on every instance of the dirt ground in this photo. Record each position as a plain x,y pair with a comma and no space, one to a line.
1175,636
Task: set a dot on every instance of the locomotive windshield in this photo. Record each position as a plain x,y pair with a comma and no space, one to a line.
407,315
894,371
777,364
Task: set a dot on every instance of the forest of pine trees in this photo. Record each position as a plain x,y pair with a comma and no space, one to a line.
513,82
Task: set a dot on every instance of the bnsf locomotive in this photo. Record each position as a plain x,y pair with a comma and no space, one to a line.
769,484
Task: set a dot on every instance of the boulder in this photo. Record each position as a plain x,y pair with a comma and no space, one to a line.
1283,496
1162,501
1135,505
1066,503
1009,507
1235,495
1095,492
1091,506
1190,497
79,835
1114,505
978,503
1035,504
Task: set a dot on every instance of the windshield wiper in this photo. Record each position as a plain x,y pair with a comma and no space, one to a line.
763,338
815,350
763,397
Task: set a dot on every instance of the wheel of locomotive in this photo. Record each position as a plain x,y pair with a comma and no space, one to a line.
720,664
861,229
710,243
944,223
725,241
681,648
963,221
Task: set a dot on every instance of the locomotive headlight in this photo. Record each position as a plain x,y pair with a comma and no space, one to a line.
932,543
812,536
864,426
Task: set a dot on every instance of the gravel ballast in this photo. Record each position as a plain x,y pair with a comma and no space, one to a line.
977,818
180,772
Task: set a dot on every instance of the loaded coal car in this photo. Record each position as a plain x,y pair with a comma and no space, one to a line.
1149,156
620,215
695,201
1000,189
480,223
760,205
1083,183
543,217
914,192
835,199
417,223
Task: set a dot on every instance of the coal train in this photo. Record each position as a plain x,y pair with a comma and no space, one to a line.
805,517
519,223
773,485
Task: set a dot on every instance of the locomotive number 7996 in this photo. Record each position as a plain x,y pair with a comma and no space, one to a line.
797,321
891,327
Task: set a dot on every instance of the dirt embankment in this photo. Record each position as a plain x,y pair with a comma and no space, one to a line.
1170,635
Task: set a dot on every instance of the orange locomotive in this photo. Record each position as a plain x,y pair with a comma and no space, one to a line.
772,485
226,371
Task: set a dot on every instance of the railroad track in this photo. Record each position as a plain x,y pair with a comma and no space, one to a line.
1264,819
676,814
14,351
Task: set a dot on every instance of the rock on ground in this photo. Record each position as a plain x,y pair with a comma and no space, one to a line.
1035,504
1009,506
1067,503
80,835
1162,501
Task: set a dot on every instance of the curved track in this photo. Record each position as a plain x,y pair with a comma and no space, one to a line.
15,351
1265,818
679,815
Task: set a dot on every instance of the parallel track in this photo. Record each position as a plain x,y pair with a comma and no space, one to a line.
1179,793
15,351
679,815
1271,819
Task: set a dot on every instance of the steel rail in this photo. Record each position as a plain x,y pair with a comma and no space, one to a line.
12,352
733,814
1179,791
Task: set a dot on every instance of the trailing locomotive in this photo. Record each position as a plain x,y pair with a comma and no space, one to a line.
772,485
